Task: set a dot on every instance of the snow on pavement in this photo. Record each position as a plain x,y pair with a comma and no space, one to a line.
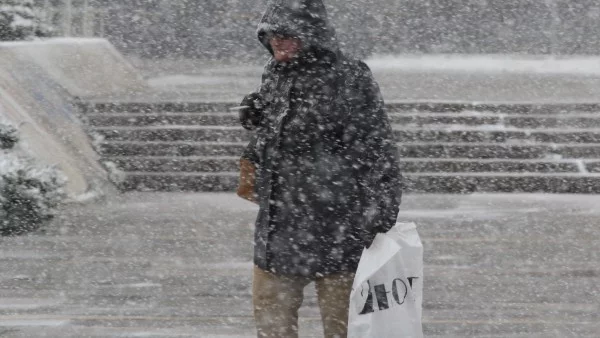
179,265
432,78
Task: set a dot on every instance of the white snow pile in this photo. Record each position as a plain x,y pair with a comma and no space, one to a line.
29,193
515,64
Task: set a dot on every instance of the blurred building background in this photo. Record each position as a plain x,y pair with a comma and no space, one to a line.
225,29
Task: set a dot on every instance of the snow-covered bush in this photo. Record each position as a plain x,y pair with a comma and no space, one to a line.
29,193
18,21
8,136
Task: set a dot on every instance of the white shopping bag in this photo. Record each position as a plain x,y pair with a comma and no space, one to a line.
387,293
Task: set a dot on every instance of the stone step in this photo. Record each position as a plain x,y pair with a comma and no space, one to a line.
175,133
509,121
406,150
205,182
154,108
515,108
420,183
231,119
505,182
445,147
435,150
413,120
501,136
238,134
117,148
165,119
493,165
392,107
593,167
176,164
542,122
407,165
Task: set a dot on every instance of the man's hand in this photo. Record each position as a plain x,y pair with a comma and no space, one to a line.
250,117
369,237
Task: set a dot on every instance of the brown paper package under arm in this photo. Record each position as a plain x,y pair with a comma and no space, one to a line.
247,179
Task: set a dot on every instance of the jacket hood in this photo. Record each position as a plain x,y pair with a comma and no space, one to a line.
304,19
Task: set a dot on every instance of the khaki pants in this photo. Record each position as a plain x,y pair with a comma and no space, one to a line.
277,300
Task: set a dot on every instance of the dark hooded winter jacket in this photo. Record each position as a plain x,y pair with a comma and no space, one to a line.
327,173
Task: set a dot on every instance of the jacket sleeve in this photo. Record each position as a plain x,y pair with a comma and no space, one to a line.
371,147
250,151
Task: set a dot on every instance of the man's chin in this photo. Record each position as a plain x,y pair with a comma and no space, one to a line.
282,59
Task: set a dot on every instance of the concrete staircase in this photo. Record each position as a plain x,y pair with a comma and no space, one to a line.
444,148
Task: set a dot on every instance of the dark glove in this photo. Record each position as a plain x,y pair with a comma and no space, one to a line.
381,227
369,237
380,224
250,117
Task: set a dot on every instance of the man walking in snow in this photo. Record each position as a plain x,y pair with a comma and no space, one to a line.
321,165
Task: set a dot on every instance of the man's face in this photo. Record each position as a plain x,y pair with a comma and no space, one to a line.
285,48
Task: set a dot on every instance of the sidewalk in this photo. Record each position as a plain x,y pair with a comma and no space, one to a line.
179,265
448,78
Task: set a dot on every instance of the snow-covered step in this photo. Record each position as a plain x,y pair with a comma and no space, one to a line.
499,107
496,134
443,147
401,133
570,121
590,166
431,150
231,119
422,182
207,182
503,182
392,107
153,108
145,148
175,164
416,165
175,133
162,119
483,150
582,121
407,165
419,120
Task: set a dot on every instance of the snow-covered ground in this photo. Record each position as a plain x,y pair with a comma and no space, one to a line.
179,265
575,65
454,78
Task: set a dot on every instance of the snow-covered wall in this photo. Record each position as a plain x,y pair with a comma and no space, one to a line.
38,82
83,67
